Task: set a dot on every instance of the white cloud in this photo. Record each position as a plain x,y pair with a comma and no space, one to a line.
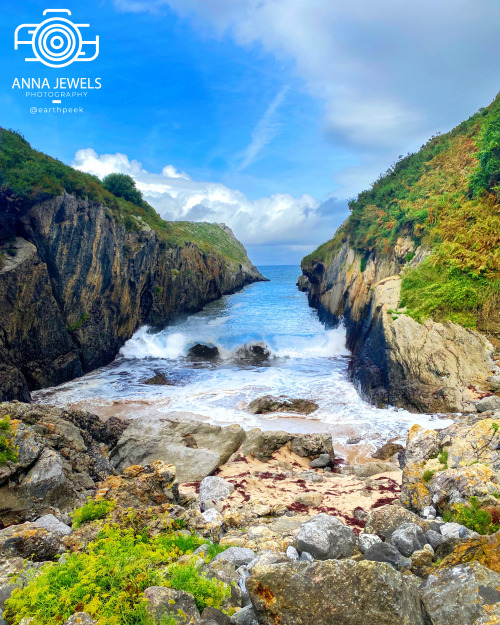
265,130
276,220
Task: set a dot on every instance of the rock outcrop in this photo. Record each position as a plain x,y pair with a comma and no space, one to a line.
424,367
75,284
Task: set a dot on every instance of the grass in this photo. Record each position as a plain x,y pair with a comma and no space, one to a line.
446,197
443,457
91,511
28,177
109,579
495,427
8,451
79,323
428,475
472,516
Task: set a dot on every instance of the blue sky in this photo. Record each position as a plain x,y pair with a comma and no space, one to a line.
269,114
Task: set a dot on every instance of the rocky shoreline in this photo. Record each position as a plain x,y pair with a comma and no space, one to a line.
286,533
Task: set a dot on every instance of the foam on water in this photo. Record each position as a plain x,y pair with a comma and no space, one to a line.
307,361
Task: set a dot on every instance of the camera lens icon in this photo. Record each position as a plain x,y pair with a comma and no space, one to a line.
57,41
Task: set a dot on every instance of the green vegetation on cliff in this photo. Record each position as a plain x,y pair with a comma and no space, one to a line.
446,197
29,176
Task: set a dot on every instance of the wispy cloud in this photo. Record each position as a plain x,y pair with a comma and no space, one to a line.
265,130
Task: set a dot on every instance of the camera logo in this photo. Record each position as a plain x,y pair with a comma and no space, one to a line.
56,41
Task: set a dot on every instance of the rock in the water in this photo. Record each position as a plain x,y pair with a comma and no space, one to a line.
214,489
387,451
168,601
239,556
49,522
268,403
245,616
488,403
324,460
457,595
325,537
203,352
385,552
30,541
384,520
255,354
160,379
141,486
365,541
80,618
343,592
408,538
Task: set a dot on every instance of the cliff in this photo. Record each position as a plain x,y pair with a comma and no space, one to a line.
414,273
80,272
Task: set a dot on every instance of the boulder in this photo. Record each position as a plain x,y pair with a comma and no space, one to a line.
217,616
160,379
262,445
168,601
30,541
387,451
494,382
454,530
365,541
488,403
51,523
384,520
482,549
429,513
343,592
435,539
322,461
385,552
255,354
141,486
239,556
213,489
325,537
491,615
408,538
203,352
292,553
457,595
367,469
269,403
195,448
245,616
80,618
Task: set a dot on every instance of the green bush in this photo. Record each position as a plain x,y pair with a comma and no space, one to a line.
8,451
428,475
443,457
123,186
108,581
472,516
91,511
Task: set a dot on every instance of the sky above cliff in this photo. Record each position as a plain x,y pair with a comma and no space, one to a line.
264,114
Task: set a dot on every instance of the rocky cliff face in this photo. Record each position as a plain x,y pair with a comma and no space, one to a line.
427,366
75,285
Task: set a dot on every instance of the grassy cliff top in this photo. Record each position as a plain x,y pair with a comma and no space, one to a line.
446,197
30,177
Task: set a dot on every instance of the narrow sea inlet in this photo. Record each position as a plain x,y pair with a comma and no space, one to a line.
306,361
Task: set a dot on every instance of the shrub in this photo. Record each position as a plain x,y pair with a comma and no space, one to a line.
108,581
91,511
8,451
123,186
443,457
428,475
472,516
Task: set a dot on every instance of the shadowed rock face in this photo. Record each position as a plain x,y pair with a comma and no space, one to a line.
421,367
75,285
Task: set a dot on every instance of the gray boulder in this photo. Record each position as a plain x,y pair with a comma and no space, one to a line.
213,489
168,601
488,403
52,524
80,618
239,556
292,553
429,513
343,592
217,616
384,520
458,595
385,552
454,530
245,616
324,460
269,403
306,557
30,541
325,537
195,448
262,445
365,541
408,538
434,538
